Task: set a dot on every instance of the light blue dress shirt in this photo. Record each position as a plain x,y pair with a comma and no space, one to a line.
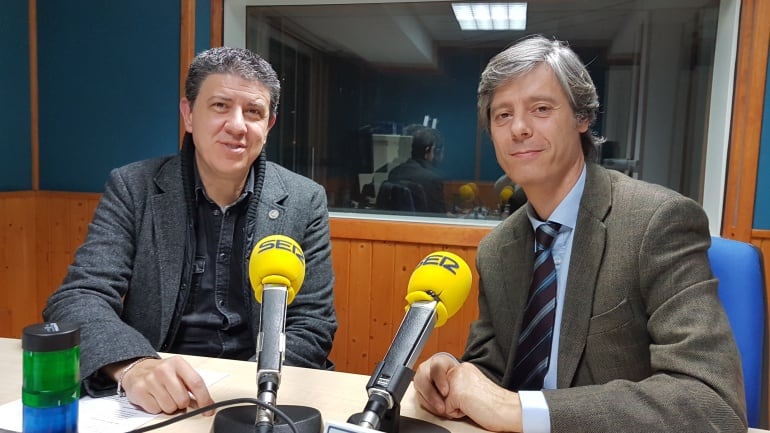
535,417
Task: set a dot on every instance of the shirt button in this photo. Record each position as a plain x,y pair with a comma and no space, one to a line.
273,214
222,255
221,302
216,212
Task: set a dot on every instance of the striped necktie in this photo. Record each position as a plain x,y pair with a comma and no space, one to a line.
534,345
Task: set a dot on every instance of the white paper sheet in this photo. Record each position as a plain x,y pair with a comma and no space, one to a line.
111,414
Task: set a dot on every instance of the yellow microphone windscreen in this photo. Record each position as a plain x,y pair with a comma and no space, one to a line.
277,259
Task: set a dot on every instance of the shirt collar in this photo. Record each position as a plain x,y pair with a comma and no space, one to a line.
200,190
567,211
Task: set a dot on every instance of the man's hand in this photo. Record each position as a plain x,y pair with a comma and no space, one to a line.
431,384
491,406
166,385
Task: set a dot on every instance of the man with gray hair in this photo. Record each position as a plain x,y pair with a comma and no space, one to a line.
164,266
598,311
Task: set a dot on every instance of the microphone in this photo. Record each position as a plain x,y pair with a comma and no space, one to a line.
276,272
466,192
506,193
437,289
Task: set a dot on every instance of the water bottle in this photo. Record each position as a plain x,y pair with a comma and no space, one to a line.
51,377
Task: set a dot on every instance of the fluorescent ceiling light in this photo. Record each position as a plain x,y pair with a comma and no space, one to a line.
491,16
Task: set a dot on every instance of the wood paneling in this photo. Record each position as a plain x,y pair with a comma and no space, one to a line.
750,75
378,258
61,225
761,239
186,49
39,232
373,261
18,297
217,23
34,121
748,102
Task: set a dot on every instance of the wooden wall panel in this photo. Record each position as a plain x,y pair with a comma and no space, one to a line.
18,302
359,304
341,265
761,239
61,226
748,101
39,232
384,303
370,301
217,23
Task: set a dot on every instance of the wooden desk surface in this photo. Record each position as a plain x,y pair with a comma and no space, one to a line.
336,395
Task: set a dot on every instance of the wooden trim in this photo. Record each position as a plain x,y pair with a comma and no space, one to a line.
748,102
217,22
16,194
64,195
407,232
186,49
761,234
34,120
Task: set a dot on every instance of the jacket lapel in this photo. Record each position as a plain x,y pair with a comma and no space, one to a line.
271,219
588,247
271,209
170,226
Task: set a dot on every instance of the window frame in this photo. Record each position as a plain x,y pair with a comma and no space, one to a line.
719,119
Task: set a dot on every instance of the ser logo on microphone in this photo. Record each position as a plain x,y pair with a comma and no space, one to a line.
445,262
281,244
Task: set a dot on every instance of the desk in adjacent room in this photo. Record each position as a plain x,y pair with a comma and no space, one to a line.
336,395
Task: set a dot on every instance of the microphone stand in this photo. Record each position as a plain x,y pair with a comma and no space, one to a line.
243,419
381,401
391,378
270,348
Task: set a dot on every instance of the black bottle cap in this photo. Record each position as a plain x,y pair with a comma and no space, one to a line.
50,336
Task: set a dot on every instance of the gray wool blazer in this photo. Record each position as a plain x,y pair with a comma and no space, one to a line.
645,343
123,285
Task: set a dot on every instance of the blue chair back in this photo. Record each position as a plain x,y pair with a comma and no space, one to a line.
738,266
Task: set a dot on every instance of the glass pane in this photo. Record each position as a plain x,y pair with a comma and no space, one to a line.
358,78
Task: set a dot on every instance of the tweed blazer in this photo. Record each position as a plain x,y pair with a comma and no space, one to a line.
123,285
645,344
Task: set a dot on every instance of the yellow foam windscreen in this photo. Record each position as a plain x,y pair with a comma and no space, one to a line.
279,260
441,276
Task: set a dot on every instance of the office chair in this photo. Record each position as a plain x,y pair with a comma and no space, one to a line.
418,195
738,266
402,195
395,196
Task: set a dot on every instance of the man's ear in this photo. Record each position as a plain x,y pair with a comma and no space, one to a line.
582,124
185,109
